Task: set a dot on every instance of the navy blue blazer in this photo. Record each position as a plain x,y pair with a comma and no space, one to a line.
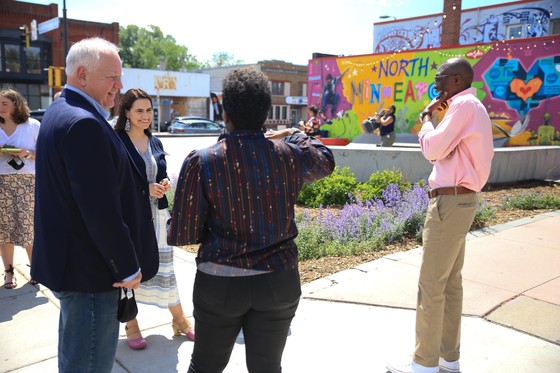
159,155
93,223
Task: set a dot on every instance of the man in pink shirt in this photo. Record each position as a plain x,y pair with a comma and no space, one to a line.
461,149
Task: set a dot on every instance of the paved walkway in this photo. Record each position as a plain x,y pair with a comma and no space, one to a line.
352,321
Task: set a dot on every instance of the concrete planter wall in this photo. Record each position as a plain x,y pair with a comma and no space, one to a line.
509,164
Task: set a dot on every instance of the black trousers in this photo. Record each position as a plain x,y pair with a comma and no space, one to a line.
262,305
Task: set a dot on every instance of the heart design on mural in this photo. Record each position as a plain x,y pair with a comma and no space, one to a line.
525,90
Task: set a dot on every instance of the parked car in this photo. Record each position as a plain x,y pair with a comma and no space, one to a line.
189,117
195,125
37,114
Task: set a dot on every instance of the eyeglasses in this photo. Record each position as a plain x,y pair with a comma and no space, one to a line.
439,78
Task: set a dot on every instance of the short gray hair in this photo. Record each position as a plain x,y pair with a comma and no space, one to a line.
86,53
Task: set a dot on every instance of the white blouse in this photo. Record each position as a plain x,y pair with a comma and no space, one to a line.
24,137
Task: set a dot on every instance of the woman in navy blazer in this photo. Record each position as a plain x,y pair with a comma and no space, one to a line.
133,128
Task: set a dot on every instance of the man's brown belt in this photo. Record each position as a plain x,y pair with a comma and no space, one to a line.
447,191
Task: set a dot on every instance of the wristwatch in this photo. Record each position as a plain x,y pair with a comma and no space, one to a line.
425,113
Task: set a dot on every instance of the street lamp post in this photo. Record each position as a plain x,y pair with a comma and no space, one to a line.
65,25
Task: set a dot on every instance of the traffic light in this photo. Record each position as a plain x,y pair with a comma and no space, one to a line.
55,76
25,35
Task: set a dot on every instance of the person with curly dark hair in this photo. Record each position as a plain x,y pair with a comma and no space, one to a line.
236,199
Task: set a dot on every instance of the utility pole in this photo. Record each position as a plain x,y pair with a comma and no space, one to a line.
65,23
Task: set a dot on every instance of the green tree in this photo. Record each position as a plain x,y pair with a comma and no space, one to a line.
221,59
149,48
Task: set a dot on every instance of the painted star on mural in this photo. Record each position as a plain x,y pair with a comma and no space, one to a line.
434,66
374,68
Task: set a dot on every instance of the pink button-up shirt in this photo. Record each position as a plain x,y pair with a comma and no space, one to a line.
461,148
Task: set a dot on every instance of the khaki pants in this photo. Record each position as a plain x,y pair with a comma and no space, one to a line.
440,289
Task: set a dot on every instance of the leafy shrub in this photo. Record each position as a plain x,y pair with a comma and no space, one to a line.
532,201
331,190
378,182
339,187
366,192
170,199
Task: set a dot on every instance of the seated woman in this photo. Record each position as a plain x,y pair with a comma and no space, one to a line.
311,128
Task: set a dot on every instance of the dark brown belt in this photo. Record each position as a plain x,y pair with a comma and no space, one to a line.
449,191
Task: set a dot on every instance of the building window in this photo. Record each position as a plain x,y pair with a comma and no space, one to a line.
555,26
302,89
278,112
278,88
38,96
516,31
33,60
13,61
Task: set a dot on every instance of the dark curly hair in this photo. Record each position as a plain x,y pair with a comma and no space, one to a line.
246,99
127,101
314,109
21,112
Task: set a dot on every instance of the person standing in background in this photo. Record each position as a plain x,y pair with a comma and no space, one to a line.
18,141
133,127
93,222
461,149
237,198
386,123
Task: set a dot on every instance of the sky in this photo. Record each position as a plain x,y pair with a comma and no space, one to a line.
255,30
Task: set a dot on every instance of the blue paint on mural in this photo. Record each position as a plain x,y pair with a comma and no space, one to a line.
523,90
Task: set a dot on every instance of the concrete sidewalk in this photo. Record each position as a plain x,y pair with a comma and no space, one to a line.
352,321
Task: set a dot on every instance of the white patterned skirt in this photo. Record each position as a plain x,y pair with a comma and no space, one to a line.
161,290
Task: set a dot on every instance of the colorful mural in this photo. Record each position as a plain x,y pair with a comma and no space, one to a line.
482,25
518,81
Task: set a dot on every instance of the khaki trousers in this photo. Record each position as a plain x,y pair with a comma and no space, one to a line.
440,289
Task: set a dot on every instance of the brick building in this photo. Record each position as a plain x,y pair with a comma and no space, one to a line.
288,85
25,69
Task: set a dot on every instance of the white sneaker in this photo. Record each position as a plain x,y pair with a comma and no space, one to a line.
448,366
410,367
